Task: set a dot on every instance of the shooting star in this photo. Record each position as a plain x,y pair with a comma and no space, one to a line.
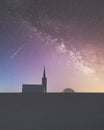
17,51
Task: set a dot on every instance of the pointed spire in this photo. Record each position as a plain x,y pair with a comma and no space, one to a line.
44,73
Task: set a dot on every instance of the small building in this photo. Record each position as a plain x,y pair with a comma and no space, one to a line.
36,88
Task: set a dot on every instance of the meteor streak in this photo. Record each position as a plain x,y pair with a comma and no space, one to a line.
16,52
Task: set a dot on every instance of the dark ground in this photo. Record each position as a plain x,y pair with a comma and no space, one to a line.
52,111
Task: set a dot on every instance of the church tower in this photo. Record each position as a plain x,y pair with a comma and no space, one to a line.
44,81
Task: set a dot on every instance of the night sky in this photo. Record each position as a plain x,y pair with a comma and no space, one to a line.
67,36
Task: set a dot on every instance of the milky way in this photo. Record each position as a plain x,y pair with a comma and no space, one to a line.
66,35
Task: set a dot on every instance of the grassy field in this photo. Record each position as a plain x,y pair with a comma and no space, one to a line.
52,111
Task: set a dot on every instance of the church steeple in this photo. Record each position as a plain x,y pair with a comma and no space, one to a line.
44,80
44,73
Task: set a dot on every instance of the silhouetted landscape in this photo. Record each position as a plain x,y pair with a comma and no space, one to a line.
52,111
67,38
